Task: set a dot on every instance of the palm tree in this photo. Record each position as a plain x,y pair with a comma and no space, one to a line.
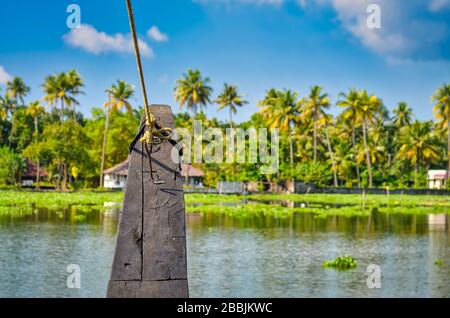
442,114
366,111
193,91
75,83
350,101
418,145
118,96
4,108
314,107
281,110
230,98
34,110
403,115
17,90
326,121
63,87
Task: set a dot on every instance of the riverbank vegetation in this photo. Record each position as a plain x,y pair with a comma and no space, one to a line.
322,205
368,144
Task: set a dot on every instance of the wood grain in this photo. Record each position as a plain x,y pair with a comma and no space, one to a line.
150,257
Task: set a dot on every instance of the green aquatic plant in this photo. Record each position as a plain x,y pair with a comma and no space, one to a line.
210,198
341,262
438,262
79,218
277,205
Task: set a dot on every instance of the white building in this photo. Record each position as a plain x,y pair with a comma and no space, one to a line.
116,177
437,179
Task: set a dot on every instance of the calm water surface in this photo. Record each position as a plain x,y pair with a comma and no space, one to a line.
237,257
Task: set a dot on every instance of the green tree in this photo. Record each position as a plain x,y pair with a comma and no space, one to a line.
63,87
6,106
418,145
281,110
230,98
118,96
351,101
325,121
403,115
314,107
35,110
363,108
12,166
67,144
442,113
193,91
17,90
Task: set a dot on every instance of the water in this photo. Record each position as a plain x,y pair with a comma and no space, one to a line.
237,257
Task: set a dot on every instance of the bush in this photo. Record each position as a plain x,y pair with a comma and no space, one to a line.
11,166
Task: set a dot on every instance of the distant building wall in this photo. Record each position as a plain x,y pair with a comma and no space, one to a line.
227,187
114,181
437,179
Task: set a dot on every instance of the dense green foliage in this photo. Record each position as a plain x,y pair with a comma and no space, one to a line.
10,167
364,145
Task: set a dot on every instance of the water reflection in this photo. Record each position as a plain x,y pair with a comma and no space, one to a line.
252,256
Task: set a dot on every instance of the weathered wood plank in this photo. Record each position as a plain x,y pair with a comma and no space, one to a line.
161,241
148,289
127,263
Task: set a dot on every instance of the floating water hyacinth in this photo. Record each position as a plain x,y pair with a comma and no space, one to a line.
342,262
438,262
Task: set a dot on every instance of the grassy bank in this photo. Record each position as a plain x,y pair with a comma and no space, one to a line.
23,201
15,201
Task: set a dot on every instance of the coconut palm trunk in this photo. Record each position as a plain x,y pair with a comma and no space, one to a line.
448,147
315,140
58,180
231,117
366,149
105,139
62,110
333,163
291,149
65,176
11,133
38,166
354,154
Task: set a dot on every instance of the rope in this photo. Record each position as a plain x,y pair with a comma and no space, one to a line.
154,134
151,133
138,59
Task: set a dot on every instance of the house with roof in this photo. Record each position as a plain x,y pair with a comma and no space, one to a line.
116,177
28,177
437,179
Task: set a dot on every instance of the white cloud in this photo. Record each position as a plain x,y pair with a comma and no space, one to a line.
275,3
406,31
438,5
4,76
89,39
353,17
155,34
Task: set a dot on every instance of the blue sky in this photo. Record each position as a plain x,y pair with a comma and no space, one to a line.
256,44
